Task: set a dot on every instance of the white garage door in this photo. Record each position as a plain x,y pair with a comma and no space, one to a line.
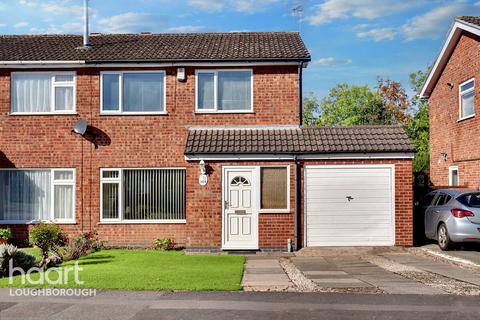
349,206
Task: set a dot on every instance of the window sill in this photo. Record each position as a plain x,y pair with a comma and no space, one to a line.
225,112
466,118
8,222
134,113
274,211
43,114
180,221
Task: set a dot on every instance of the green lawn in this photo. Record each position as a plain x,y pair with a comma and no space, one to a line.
150,270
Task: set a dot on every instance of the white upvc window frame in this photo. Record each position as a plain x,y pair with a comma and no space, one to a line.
451,169
120,181
53,183
461,94
215,87
54,84
259,179
120,93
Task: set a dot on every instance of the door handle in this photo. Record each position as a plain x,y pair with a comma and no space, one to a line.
225,205
349,198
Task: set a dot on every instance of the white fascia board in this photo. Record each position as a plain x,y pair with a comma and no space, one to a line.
331,156
83,64
445,53
42,64
191,64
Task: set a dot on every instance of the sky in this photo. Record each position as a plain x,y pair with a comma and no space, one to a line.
351,41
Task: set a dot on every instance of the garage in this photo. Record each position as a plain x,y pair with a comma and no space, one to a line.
349,205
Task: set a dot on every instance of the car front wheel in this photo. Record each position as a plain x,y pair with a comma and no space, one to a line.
444,241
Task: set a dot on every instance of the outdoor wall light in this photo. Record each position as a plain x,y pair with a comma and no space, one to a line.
443,156
203,169
450,85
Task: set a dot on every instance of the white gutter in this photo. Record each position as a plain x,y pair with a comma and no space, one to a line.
330,156
146,64
42,64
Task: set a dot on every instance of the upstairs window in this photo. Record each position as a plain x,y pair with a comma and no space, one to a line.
43,92
133,92
453,177
224,91
467,96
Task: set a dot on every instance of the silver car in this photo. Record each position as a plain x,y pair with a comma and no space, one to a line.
452,216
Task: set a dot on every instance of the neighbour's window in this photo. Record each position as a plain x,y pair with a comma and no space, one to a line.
224,91
467,96
43,92
453,176
37,195
274,188
133,92
143,194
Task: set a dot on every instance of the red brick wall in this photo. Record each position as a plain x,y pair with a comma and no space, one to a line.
459,139
140,141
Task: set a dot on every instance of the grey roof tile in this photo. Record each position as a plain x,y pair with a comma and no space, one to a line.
234,46
320,140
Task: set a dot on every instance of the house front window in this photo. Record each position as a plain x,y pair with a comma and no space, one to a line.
453,176
274,191
37,195
467,97
224,91
133,92
143,195
43,92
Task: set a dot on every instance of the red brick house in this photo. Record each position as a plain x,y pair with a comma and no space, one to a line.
194,137
451,89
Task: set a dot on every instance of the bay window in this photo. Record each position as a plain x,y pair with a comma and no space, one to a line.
224,91
143,195
32,195
43,92
467,97
133,92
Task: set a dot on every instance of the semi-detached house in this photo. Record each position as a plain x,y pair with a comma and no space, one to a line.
194,137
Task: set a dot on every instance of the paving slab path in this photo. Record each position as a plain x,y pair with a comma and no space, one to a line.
264,273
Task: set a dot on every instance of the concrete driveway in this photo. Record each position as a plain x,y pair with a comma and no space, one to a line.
361,270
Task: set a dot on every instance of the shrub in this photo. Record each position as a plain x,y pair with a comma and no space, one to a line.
49,238
164,244
83,245
19,258
5,234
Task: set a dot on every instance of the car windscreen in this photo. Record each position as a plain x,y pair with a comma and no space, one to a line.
470,199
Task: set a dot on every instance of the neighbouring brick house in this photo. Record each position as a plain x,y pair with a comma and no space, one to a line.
451,89
195,137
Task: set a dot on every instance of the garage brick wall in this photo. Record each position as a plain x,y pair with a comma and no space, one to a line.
459,140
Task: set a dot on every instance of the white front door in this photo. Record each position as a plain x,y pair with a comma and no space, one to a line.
240,212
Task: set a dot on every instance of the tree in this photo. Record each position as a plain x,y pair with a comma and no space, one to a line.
418,128
346,105
394,99
389,104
